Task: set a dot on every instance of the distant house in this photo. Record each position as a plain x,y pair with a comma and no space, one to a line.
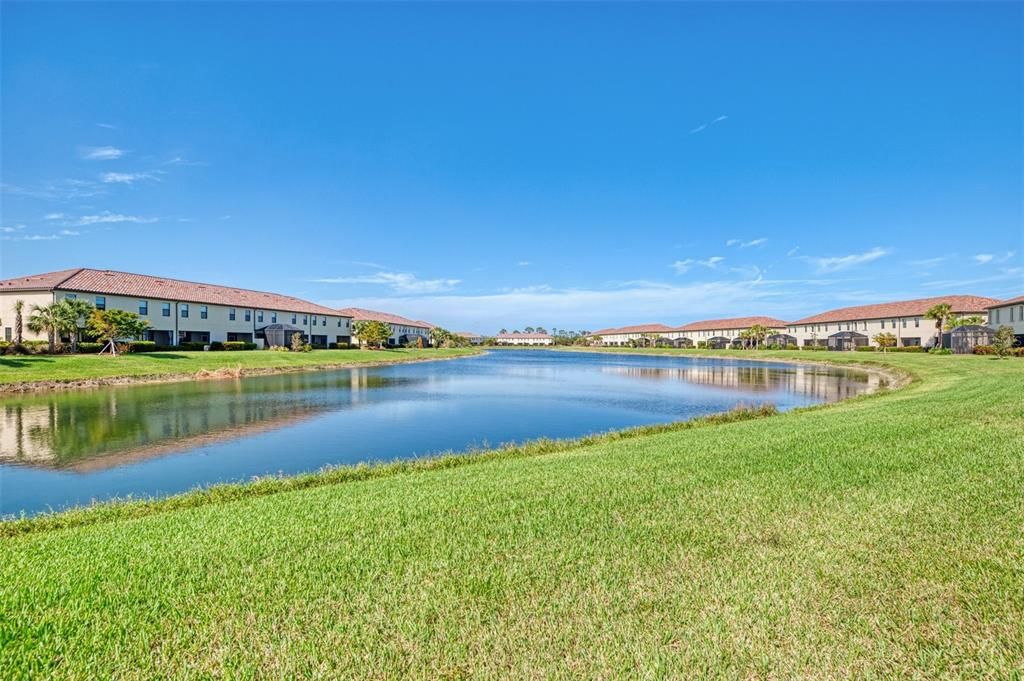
404,331
177,311
640,334
473,338
727,333
523,339
1008,313
903,319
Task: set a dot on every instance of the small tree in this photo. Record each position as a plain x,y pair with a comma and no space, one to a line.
112,326
939,313
1003,341
45,319
19,306
372,333
757,333
70,312
885,340
297,343
440,336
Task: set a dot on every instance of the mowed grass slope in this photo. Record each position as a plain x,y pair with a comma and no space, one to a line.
879,537
72,368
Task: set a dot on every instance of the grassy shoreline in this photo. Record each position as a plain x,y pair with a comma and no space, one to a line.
40,373
878,536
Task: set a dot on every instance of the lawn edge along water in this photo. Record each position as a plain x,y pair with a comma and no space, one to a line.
227,371
130,508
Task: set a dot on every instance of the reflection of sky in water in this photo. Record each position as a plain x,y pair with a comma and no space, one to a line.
69,448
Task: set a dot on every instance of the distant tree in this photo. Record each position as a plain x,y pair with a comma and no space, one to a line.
19,306
1003,341
371,332
440,336
112,326
503,331
297,344
529,329
939,313
45,319
885,340
969,320
70,314
540,329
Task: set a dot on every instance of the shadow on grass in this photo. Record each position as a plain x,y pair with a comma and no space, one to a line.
23,361
164,355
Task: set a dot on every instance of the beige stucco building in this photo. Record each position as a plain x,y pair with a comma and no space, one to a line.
403,331
639,334
177,311
528,339
1008,313
724,333
904,319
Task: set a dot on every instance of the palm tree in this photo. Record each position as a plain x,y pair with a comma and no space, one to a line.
757,333
939,313
69,312
19,305
46,320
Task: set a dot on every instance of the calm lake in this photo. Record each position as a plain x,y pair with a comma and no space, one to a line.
66,449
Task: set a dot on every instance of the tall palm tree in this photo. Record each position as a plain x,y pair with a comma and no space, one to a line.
19,323
939,313
70,312
45,319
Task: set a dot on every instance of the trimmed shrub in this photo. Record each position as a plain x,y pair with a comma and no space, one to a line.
142,346
189,345
866,348
908,348
940,351
89,348
237,345
216,346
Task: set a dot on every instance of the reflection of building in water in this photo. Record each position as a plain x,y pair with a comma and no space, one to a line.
90,430
821,384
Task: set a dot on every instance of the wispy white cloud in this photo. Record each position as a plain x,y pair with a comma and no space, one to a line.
100,153
179,160
126,178
31,237
1011,274
108,126
57,190
110,218
793,251
928,262
825,265
523,263
68,232
683,266
704,126
9,229
54,216
399,282
986,258
746,244
224,217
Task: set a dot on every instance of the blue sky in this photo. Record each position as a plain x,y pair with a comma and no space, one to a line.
488,165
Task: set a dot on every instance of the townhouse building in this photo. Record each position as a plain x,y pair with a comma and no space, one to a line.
404,331
639,334
850,327
472,337
531,339
1008,313
725,333
176,310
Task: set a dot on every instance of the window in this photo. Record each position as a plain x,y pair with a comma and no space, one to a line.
893,323
248,315
314,321
143,308
324,321
904,323
165,309
998,315
273,318
259,316
917,322
1011,314
882,322
101,302
305,319
339,326
184,310
295,319
203,312
7,333
231,314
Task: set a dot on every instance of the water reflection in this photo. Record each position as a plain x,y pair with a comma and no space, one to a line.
822,384
96,429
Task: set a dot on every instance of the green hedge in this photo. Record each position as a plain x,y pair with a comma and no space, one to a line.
238,345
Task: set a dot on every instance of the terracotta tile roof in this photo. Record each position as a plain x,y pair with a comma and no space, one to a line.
1011,301
468,334
902,308
732,323
46,281
508,336
360,313
109,282
639,328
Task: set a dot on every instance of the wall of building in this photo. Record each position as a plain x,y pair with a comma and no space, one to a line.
524,341
7,314
909,331
1008,315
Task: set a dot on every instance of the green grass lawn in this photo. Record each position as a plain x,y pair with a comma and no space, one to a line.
880,537
72,368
